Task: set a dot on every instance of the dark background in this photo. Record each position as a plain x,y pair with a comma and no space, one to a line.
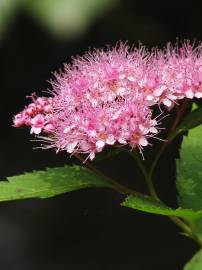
86,229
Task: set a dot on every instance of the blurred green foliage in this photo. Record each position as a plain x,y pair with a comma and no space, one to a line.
62,18
8,11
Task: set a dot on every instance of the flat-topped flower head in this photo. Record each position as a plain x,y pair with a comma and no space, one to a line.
106,97
181,71
88,129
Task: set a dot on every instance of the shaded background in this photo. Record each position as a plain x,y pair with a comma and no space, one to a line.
85,229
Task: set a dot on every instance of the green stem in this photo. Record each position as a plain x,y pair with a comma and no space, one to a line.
171,135
194,234
187,229
115,185
181,224
151,188
135,155
148,179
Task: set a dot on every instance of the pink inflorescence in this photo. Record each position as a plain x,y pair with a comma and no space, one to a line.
107,97
36,115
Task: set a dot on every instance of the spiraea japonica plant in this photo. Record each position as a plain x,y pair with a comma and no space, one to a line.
106,100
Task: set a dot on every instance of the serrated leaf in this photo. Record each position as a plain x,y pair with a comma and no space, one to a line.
192,120
49,183
146,204
189,170
189,174
195,263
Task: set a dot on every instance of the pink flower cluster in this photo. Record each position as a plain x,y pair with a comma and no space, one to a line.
36,115
107,97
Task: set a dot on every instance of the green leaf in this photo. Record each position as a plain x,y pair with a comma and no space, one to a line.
146,204
195,263
192,120
194,106
189,170
198,102
48,183
189,175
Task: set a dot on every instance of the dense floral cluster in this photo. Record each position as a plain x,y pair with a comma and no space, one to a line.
106,97
36,115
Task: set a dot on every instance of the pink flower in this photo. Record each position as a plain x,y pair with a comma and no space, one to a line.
19,120
37,124
107,97
36,115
